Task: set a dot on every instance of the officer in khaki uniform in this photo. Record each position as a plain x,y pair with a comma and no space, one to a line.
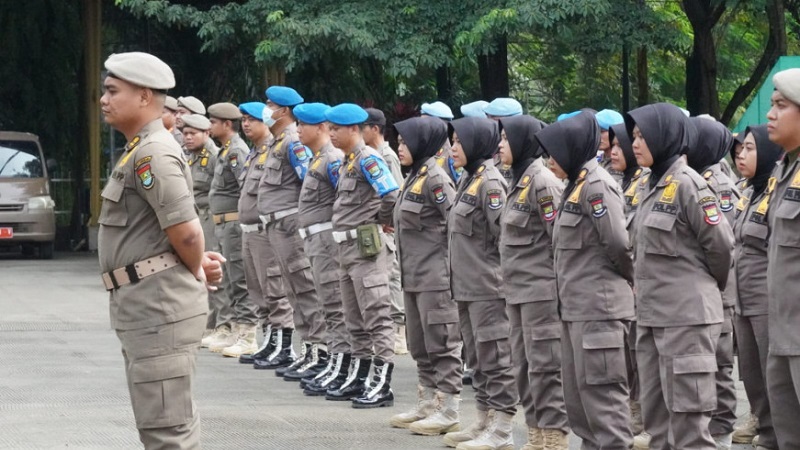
756,162
783,363
607,118
714,141
225,119
151,255
681,239
278,194
202,161
169,118
432,314
526,255
373,137
593,262
315,226
263,277
473,228
496,110
365,198
188,105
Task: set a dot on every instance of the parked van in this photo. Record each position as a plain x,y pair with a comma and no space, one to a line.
27,212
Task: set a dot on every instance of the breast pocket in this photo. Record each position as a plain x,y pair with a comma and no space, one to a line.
347,192
787,230
114,212
462,219
273,171
659,235
410,215
202,177
219,168
515,231
754,235
310,191
253,180
569,231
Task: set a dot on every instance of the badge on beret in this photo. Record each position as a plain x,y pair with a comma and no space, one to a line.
668,196
495,197
598,207
145,174
438,194
372,166
725,203
712,214
548,208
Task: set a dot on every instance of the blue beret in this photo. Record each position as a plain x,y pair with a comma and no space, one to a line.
567,115
255,109
503,107
474,109
346,114
310,113
283,96
608,117
437,109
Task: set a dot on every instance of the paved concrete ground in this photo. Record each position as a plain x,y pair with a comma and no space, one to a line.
62,383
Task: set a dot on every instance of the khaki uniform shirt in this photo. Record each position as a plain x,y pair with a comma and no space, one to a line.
727,195
250,179
149,190
593,258
605,163
319,186
526,236
473,230
421,229
202,164
390,156
750,257
228,167
783,276
367,190
285,168
681,240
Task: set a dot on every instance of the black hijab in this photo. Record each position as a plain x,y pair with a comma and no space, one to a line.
626,144
767,155
714,141
667,131
571,142
479,138
521,134
424,136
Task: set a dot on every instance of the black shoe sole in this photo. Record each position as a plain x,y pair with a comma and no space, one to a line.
269,367
313,393
386,403
340,399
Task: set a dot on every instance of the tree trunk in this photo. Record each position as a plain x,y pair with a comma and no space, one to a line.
776,46
444,85
493,71
626,78
642,76
701,65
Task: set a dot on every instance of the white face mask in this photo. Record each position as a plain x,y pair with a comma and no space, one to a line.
267,116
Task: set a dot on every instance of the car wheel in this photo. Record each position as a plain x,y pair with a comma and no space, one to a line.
28,249
46,250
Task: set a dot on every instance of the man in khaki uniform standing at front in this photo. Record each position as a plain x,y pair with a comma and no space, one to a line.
151,255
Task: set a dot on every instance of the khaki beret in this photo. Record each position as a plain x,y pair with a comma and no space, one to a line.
193,104
171,103
224,111
141,69
787,82
197,122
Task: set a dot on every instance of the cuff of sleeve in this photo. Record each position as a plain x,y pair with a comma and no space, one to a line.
177,212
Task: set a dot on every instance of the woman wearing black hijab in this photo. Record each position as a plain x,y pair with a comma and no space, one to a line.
477,284
431,314
594,269
526,256
755,162
683,257
714,141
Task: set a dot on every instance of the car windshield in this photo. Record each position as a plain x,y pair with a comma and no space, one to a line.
20,159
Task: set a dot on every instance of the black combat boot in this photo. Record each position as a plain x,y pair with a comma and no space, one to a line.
282,354
336,377
355,383
262,352
378,392
314,364
308,379
298,362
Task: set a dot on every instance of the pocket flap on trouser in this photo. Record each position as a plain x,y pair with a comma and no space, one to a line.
161,368
378,279
494,332
694,364
328,276
441,316
604,339
298,264
273,271
546,332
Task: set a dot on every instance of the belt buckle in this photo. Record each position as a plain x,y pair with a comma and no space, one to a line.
133,276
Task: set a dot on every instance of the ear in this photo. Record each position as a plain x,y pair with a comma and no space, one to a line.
146,97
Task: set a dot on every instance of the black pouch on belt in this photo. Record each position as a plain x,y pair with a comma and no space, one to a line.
369,240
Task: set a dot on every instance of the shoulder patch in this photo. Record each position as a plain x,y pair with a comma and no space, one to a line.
145,174
725,201
233,160
598,207
372,166
300,151
144,160
495,197
439,195
548,208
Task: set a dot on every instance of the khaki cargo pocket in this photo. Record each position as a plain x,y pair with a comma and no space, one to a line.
329,276
693,386
114,212
275,286
377,285
301,279
546,345
161,391
235,256
604,357
442,329
494,347
659,235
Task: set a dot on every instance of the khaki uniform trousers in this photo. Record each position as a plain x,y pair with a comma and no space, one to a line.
264,284
234,283
434,339
323,253
752,337
724,417
160,366
219,304
783,387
